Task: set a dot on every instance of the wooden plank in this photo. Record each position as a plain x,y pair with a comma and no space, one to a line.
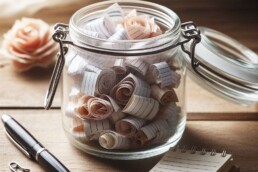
239,138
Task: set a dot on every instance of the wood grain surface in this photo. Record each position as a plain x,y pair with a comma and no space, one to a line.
46,126
233,127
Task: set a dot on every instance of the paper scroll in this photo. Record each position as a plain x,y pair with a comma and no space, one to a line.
150,131
140,26
78,130
74,95
98,82
164,96
129,126
120,34
138,65
164,75
119,66
142,107
70,110
77,65
130,85
117,113
113,140
94,108
103,26
94,128
169,112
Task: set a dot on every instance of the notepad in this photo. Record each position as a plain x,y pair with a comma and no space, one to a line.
182,160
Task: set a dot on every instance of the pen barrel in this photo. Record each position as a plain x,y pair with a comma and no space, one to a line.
50,163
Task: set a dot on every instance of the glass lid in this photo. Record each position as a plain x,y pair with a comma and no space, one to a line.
226,67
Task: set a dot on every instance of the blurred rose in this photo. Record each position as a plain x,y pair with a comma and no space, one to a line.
140,26
29,43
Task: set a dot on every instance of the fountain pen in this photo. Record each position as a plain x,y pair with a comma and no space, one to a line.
30,146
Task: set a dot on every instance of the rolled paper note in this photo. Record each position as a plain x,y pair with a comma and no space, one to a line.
93,128
94,108
114,9
77,66
138,65
120,34
74,95
70,110
140,26
117,113
89,83
104,26
113,140
170,115
142,107
129,126
78,130
99,82
130,85
164,96
169,112
119,66
164,75
149,132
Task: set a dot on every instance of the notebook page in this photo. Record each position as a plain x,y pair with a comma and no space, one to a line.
176,161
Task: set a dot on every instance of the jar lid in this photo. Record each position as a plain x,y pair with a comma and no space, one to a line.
227,67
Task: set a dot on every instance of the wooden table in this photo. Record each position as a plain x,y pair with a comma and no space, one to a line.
212,122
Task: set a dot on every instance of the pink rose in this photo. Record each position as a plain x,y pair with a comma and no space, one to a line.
29,43
140,26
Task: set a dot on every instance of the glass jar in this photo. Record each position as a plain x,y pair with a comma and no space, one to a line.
122,99
125,99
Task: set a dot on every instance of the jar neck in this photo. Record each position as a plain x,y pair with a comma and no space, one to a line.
165,17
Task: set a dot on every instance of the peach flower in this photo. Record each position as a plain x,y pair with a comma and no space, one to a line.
140,26
29,43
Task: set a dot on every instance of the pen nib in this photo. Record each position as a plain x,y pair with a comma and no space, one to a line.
5,117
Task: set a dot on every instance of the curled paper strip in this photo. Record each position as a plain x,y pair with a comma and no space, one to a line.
164,75
119,66
93,128
149,132
130,85
137,65
77,66
99,82
94,108
140,26
89,83
104,26
169,112
74,95
129,126
70,110
120,34
142,107
117,113
78,130
113,140
164,96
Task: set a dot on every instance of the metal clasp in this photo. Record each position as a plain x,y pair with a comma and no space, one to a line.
59,36
191,32
188,29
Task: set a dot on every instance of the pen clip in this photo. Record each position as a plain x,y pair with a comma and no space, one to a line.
18,145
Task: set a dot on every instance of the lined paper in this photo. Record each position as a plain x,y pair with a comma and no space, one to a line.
178,161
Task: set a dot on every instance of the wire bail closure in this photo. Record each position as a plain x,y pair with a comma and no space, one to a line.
189,32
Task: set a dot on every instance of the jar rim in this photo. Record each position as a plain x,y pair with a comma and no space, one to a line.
174,30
